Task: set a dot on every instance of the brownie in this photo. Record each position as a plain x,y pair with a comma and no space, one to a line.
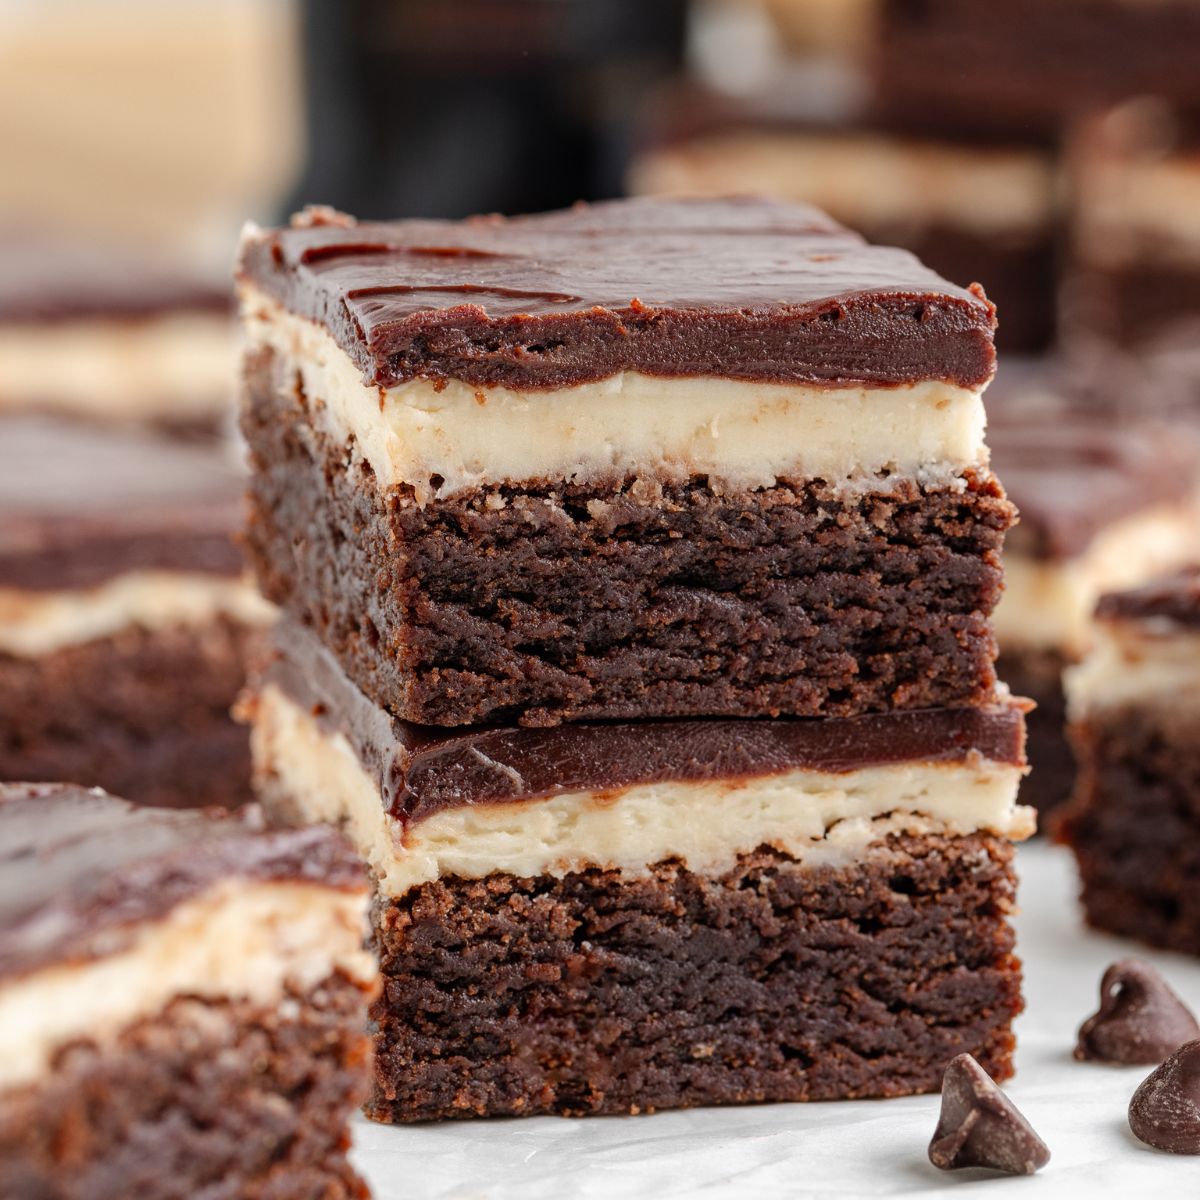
125,620
1134,819
1023,69
653,582
106,334
1102,501
1133,275
148,1049
592,994
623,916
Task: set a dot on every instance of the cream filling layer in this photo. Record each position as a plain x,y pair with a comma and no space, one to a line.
238,941
168,368
1153,665
37,623
817,818
868,181
742,435
1047,605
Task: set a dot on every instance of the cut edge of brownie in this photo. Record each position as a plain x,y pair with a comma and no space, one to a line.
596,993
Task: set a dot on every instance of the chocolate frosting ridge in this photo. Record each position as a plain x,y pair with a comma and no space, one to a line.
422,769
80,870
743,288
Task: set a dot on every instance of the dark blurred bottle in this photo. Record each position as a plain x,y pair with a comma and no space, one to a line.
442,108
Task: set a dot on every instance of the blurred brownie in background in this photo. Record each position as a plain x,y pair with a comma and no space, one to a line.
1021,68
1134,821
1102,504
182,1002
124,614
1134,271
974,212
92,332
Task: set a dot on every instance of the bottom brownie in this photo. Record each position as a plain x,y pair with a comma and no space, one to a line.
225,1101
112,713
1134,825
1037,674
603,993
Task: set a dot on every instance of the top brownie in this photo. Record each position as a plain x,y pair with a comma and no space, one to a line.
740,288
640,459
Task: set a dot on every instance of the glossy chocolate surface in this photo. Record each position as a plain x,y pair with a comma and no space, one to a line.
80,505
422,769
80,869
741,288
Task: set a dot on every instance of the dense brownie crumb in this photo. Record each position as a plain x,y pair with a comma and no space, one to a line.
1037,674
228,1100
596,993
559,603
111,713
1134,825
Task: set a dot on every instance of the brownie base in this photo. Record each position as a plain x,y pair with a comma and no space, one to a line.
1037,674
596,993
556,603
144,713
228,1101
1134,826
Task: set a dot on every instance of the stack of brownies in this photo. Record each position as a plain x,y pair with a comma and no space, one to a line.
637,564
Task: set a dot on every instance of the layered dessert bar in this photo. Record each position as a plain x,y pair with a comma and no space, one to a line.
125,613
182,1002
94,333
970,211
643,459
1134,820
1135,249
616,917
1103,504
1025,68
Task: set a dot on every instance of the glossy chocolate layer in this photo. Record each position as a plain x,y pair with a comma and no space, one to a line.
43,280
80,869
79,505
1171,600
740,288
1071,475
422,769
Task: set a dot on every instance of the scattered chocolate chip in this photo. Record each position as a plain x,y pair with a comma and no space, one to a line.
981,1127
1140,1020
1165,1110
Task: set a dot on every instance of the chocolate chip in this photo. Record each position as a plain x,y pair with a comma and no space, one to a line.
981,1127
1165,1110
1140,1020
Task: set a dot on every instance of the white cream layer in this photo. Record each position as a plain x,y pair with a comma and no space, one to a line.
742,435
37,623
239,941
815,817
867,181
1047,605
1144,664
169,368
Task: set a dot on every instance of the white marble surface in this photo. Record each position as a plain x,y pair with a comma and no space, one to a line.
865,1148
